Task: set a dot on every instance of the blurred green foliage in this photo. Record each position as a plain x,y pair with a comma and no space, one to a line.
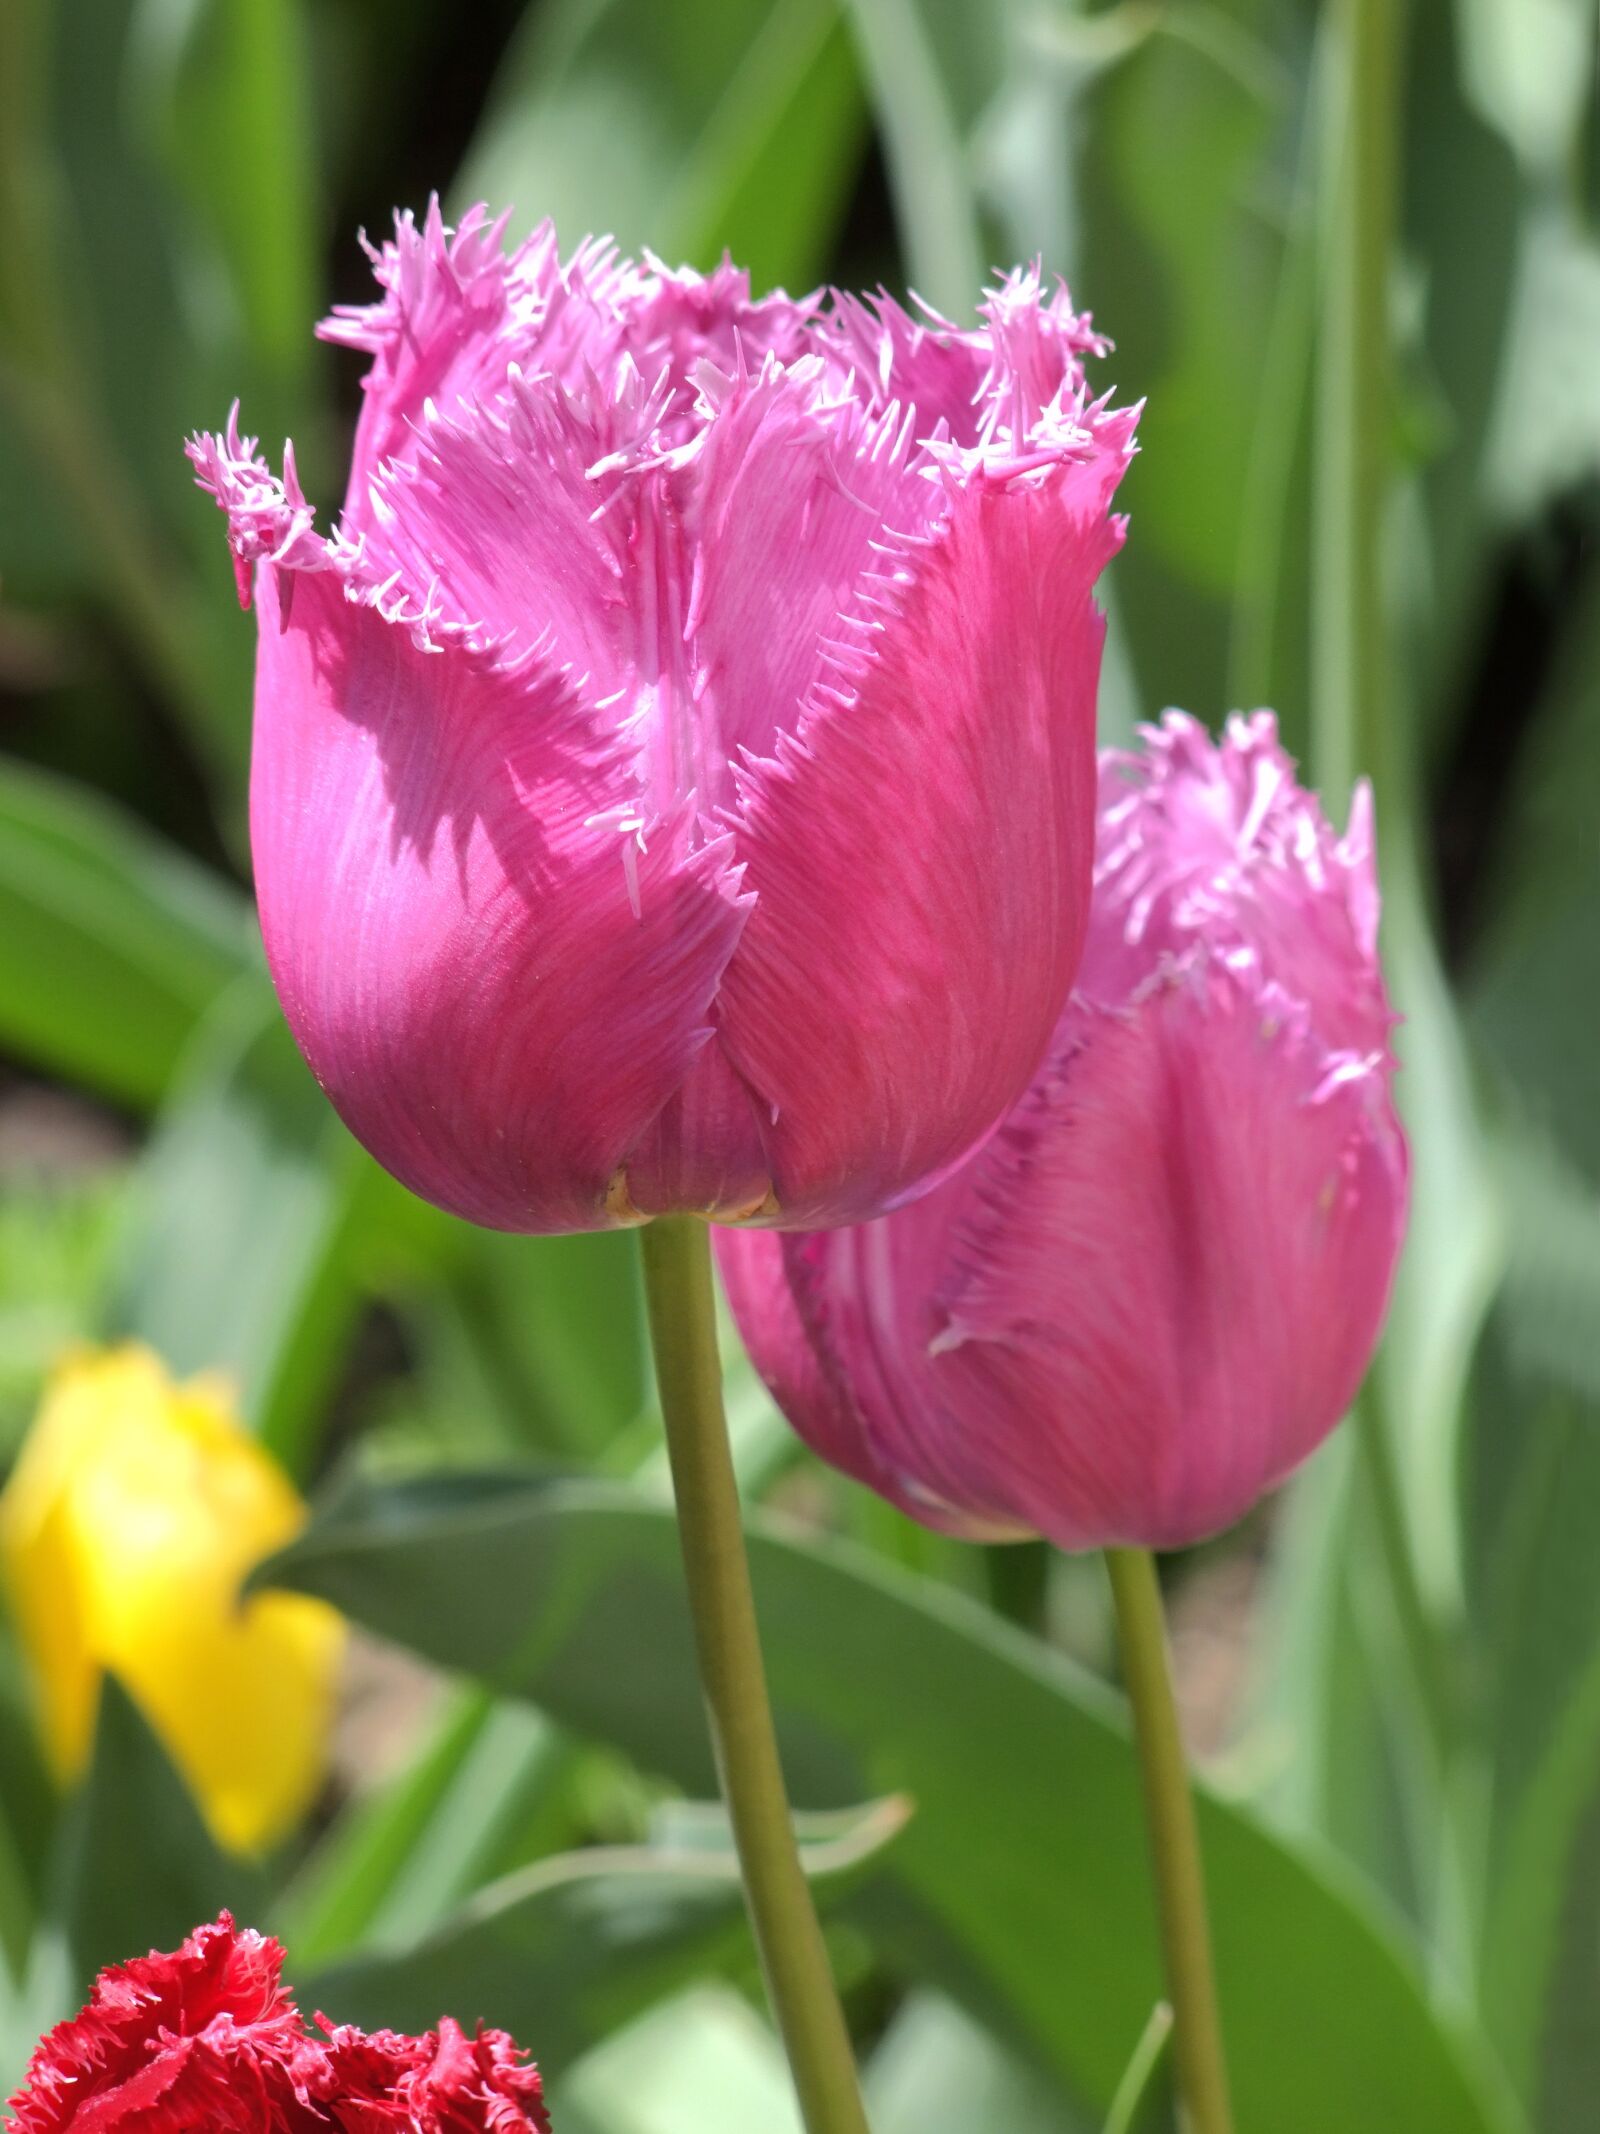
1405,1846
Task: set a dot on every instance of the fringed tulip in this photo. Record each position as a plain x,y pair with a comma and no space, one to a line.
209,2037
203,2037
1157,1288
673,780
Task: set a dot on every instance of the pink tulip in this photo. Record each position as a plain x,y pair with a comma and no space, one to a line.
1156,1289
674,779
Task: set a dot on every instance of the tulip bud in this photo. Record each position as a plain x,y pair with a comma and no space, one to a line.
1156,1289
673,782
127,1527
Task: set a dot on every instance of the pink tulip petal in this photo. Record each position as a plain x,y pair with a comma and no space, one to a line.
1222,844
446,301
823,1315
791,493
905,360
498,992
1175,1258
967,385
680,320
495,521
456,315
919,852
704,1150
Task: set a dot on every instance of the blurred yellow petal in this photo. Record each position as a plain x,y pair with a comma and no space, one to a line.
134,1513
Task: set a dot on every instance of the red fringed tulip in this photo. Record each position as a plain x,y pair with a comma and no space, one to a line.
205,2037
209,2037
673,781
1156,1289
443,2083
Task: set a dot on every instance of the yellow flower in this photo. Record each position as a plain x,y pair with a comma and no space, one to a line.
133,1515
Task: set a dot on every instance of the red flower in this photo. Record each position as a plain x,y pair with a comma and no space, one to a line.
209,2037
443,2083
206,2037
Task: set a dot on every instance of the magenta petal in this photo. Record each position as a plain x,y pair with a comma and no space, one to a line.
491,525
1172,1270
1221,844
1138,1308
788,506
823,1316
497,990
920,856
704,1150
754,1266
441,320
456,314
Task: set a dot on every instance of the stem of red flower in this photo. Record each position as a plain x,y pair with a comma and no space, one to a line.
1174,1843
676,1251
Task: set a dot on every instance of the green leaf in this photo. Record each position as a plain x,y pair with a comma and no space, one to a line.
332,1901
1543,1926
933,67
1020,1886
566,1951
1318,1756
112,944
1463,217
224,94
237,1254
1454,1251
1533,1499
556,1334
1546,429
1199,274
1530,68
1144,2084
55,1244
723,125
108,364
1185,210
135,1867
704,2063
1533,992
936,2067
392,1866
29,1808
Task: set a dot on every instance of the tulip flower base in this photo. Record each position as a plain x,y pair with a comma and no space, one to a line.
794,1957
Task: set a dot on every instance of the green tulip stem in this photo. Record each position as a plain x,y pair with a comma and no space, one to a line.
676,1251
1174,1843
